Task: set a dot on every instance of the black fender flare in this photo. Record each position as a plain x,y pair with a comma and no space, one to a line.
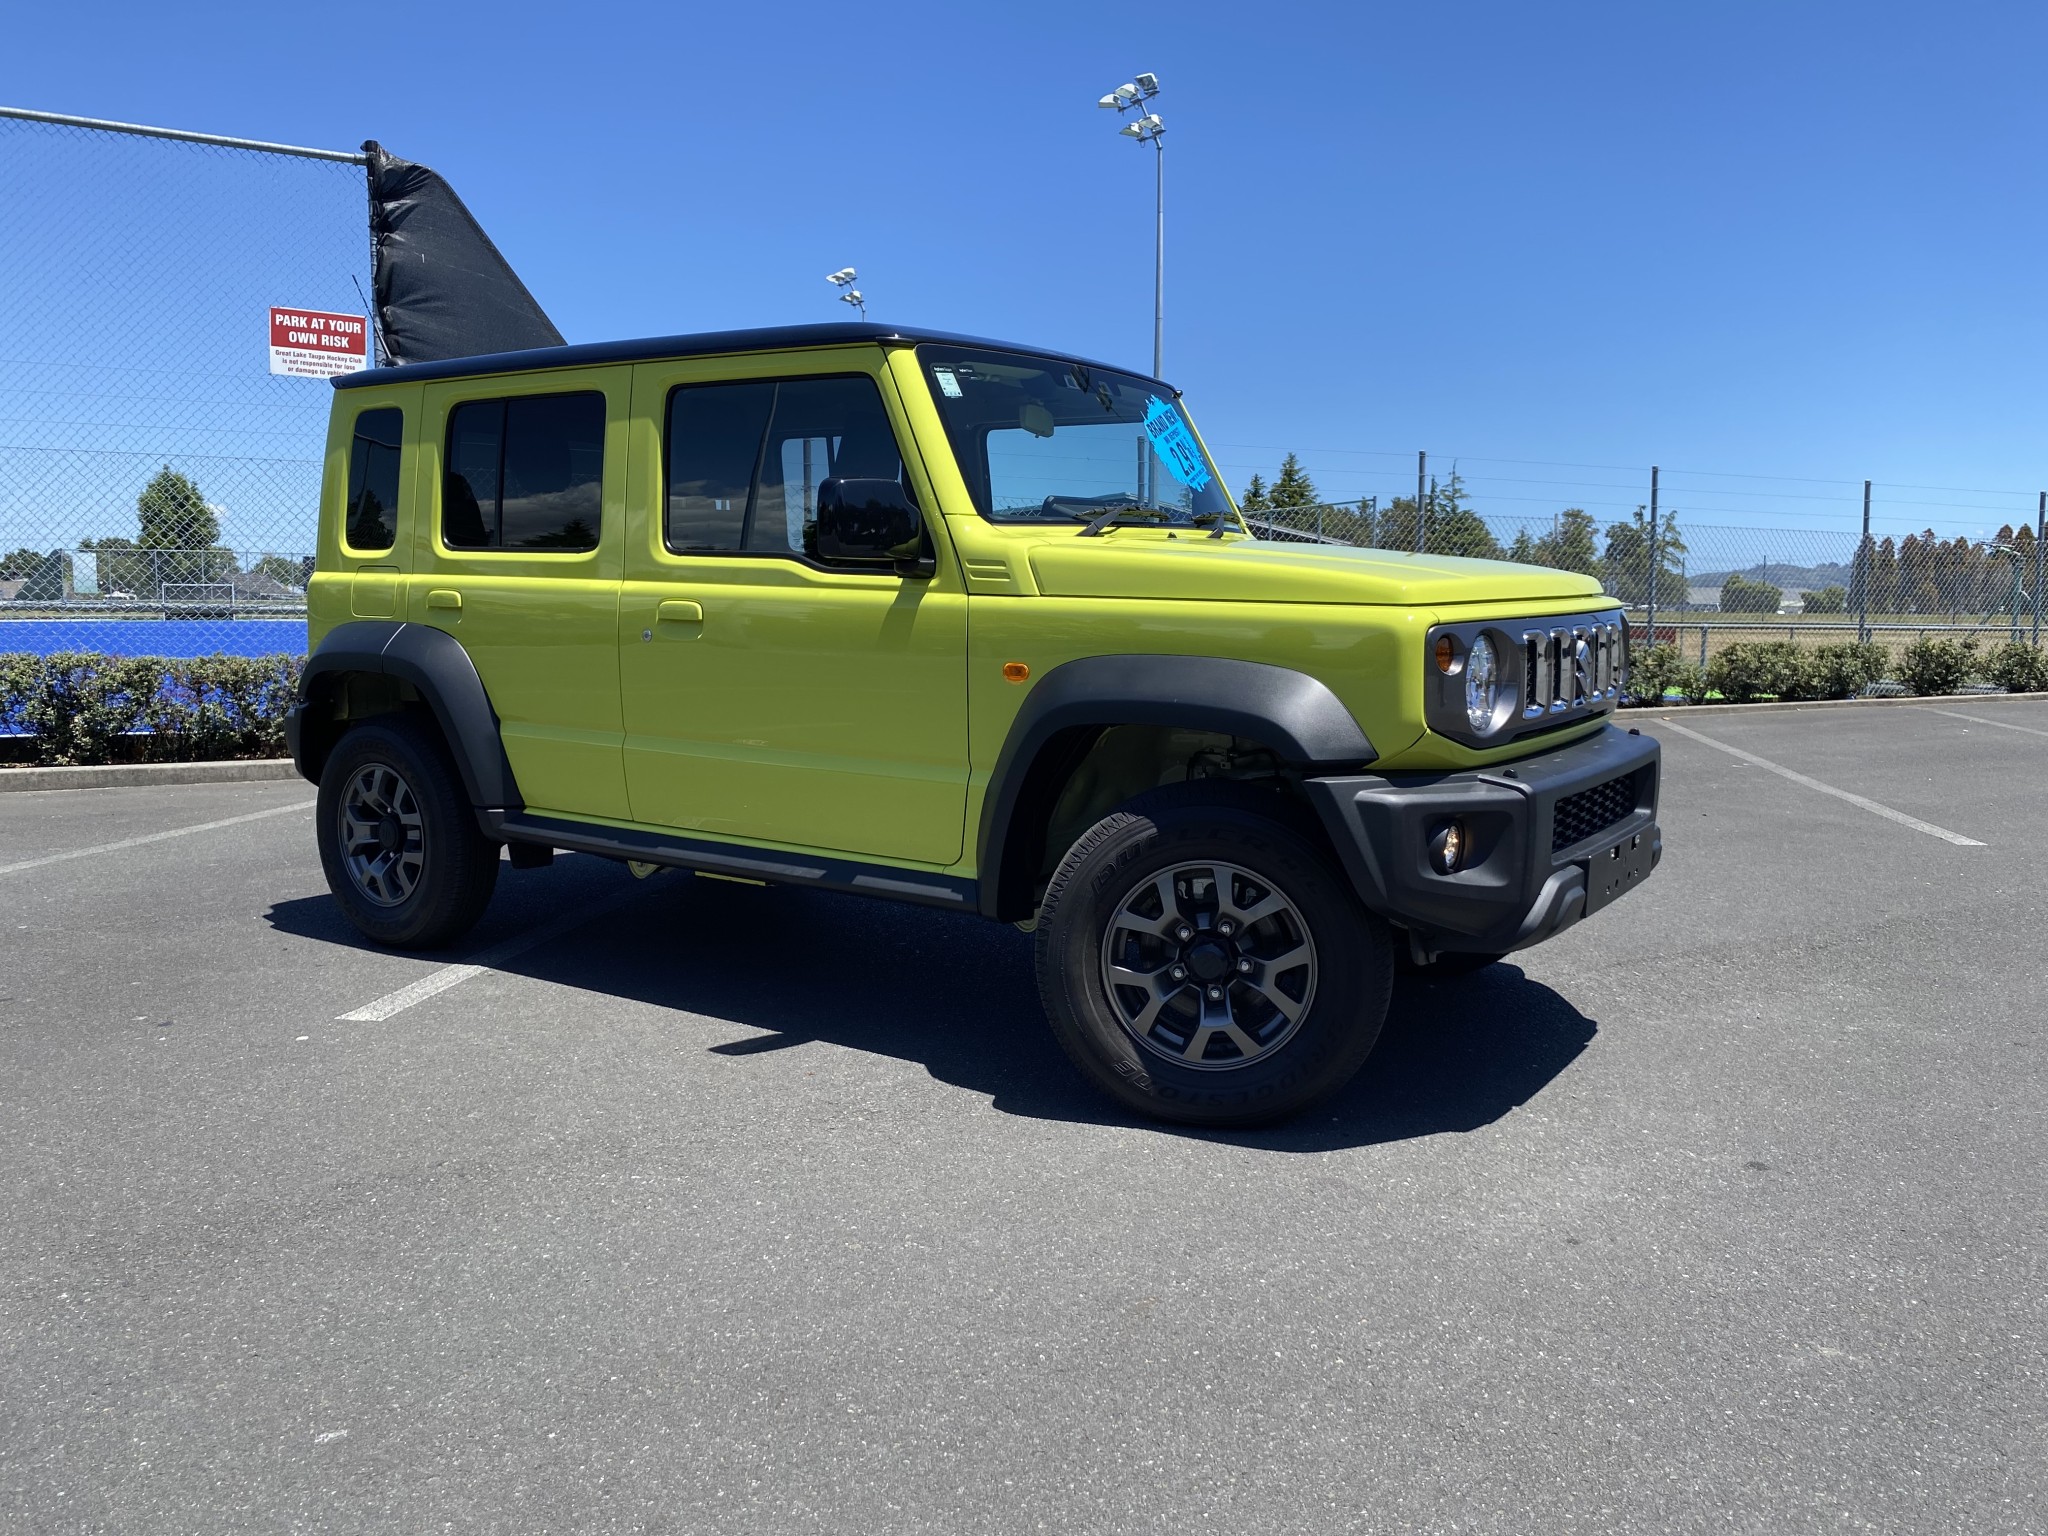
1296,715
440,671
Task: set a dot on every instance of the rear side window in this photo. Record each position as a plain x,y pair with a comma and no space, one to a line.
745,460
372,511
524,472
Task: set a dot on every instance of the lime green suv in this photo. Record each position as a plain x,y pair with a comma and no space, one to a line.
939,620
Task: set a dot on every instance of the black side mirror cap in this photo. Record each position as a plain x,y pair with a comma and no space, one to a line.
872,520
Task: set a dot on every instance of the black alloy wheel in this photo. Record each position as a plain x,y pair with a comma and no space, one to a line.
399,841
1203,961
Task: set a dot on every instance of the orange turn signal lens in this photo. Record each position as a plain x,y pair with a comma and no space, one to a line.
1446,653
1015,671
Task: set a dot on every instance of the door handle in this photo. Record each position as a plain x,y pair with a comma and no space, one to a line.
441,597
679,611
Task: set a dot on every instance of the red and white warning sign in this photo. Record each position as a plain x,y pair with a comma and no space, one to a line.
316,345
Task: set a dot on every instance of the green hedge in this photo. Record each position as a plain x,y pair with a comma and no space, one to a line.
80,707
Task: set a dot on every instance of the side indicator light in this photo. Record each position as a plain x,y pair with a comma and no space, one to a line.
1015,671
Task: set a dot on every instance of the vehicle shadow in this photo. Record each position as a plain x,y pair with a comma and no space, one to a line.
955,994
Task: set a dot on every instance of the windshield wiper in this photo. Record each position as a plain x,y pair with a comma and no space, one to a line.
1100,518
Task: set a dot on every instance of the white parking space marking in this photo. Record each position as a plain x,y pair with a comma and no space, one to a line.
155,837
436,982
2003,725
1858,801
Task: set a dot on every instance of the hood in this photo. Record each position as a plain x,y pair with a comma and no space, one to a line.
1151,565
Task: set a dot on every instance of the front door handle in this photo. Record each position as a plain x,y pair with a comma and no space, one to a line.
441,597
680,611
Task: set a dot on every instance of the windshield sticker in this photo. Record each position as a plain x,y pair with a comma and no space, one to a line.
1175,445
948,385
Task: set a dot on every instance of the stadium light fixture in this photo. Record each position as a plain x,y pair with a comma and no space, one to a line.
1148,129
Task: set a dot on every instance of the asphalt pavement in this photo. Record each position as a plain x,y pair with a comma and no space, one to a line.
691,1206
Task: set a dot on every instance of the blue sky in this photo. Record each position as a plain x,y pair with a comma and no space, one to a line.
1775,248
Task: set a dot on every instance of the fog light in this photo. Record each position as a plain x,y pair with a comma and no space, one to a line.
1447,848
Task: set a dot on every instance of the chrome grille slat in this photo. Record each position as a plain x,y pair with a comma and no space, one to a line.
1565,671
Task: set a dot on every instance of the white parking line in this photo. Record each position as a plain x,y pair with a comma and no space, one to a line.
154,837
2003,725
1827,789
436,982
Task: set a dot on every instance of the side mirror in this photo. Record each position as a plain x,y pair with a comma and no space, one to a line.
870,520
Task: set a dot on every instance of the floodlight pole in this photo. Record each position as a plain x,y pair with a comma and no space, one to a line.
1159,258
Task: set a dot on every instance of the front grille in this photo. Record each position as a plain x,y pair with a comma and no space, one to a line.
1592,811
1569,671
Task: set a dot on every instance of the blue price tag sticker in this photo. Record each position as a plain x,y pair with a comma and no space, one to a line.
1175,445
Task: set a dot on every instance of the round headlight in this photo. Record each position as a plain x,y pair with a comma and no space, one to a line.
1482,685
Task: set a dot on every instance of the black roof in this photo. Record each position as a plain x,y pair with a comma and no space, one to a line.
771,338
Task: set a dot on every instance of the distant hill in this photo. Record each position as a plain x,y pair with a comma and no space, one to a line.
1792,578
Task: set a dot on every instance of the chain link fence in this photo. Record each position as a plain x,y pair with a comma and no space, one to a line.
1703,588
159,486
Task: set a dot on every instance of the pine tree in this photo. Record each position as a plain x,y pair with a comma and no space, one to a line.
1294,488
1569,546
1453,527
1254,498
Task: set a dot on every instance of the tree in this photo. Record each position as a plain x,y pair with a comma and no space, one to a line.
1254,498
1453,528
1917,591
20,563
1569,545
1741,595
174,518
1626,563
1523,550
1884,578
1293,488
1829,599
173,515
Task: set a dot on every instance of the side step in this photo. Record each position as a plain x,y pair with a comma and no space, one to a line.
522,829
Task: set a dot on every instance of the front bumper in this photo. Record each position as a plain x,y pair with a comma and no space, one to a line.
1551,838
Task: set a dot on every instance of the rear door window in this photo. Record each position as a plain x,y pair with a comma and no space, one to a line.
525,472
372,511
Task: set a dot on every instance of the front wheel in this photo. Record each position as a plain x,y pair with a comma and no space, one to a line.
1201,961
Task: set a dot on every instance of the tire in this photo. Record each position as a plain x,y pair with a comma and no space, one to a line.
404,856
1281,1035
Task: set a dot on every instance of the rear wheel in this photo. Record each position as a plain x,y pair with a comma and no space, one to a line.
1201,961
399,842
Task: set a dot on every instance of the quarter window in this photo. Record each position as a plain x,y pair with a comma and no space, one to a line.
524,472
745,460
372,511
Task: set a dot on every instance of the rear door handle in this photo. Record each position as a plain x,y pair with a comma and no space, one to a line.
441,597
680,611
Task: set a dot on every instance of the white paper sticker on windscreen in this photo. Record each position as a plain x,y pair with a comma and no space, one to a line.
948,385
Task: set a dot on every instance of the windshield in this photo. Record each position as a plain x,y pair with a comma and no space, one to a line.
1040,440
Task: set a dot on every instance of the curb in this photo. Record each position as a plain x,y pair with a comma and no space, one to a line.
1687,711
258,770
